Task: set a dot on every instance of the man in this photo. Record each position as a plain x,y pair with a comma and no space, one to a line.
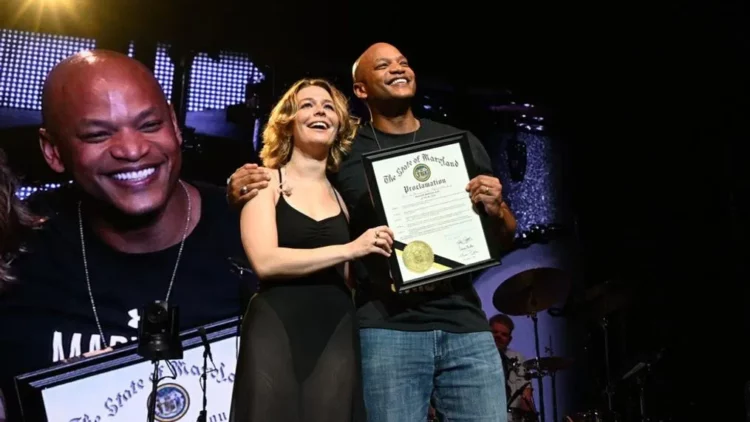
427,344
519,391
126,233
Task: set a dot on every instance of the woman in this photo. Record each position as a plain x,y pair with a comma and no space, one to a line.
15,219
299,353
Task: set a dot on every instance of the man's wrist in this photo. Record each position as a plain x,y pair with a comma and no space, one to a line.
501,211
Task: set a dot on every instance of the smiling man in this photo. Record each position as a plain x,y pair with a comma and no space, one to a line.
431,345
126,233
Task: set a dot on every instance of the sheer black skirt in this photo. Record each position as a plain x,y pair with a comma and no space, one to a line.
299,358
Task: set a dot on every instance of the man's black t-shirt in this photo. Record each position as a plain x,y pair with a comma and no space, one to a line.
48,316
452,305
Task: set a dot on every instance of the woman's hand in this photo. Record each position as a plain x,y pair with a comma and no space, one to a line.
376,240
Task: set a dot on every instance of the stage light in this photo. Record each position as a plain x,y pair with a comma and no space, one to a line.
27,58
164,69
218,84
529,122
23,192
527,116
213,84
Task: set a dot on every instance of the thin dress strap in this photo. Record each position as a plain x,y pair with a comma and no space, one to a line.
338,201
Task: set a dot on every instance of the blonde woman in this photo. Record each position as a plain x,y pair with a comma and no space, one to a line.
299,353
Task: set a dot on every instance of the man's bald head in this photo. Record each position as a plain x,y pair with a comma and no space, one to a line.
382,74
367,57
108,124
85,69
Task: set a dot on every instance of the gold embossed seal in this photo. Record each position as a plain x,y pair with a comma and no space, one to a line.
418,256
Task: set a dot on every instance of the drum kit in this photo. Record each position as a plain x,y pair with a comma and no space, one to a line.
539,289
528,293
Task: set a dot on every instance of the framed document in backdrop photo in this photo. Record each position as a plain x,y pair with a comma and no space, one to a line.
419,191
116,386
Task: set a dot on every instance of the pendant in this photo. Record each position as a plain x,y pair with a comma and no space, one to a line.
286,191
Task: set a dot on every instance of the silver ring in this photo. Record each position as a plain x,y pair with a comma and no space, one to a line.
229,180
244,190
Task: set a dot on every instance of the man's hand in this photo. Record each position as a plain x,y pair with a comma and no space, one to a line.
244,184
488,191
527,396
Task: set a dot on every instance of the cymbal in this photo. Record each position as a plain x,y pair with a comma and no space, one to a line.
607,298
548,364
531,291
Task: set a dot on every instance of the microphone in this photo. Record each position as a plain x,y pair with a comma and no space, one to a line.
206,345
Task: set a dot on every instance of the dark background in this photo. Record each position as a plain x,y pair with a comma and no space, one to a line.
648,97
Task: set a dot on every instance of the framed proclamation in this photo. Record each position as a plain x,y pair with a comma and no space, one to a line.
419,191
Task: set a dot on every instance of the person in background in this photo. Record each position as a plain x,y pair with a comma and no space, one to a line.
430,344
299,353
129,231
520,394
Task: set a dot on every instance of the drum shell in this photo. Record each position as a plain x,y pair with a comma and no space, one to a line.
520,415
590,416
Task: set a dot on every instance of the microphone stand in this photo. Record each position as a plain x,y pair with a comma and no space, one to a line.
202,417
554,386
540,380
641,380
607,373
154,387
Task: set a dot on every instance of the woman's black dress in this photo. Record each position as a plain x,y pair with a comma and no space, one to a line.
299,356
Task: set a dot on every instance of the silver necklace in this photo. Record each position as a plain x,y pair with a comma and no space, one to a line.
86,264
372,127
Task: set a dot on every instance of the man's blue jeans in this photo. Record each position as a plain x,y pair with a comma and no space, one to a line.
403,370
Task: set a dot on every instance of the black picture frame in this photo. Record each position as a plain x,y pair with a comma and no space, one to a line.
461,138
29,386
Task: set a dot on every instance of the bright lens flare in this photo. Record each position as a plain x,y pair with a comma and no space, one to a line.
45,10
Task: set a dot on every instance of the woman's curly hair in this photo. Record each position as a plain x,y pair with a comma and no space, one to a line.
15,220
277,135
